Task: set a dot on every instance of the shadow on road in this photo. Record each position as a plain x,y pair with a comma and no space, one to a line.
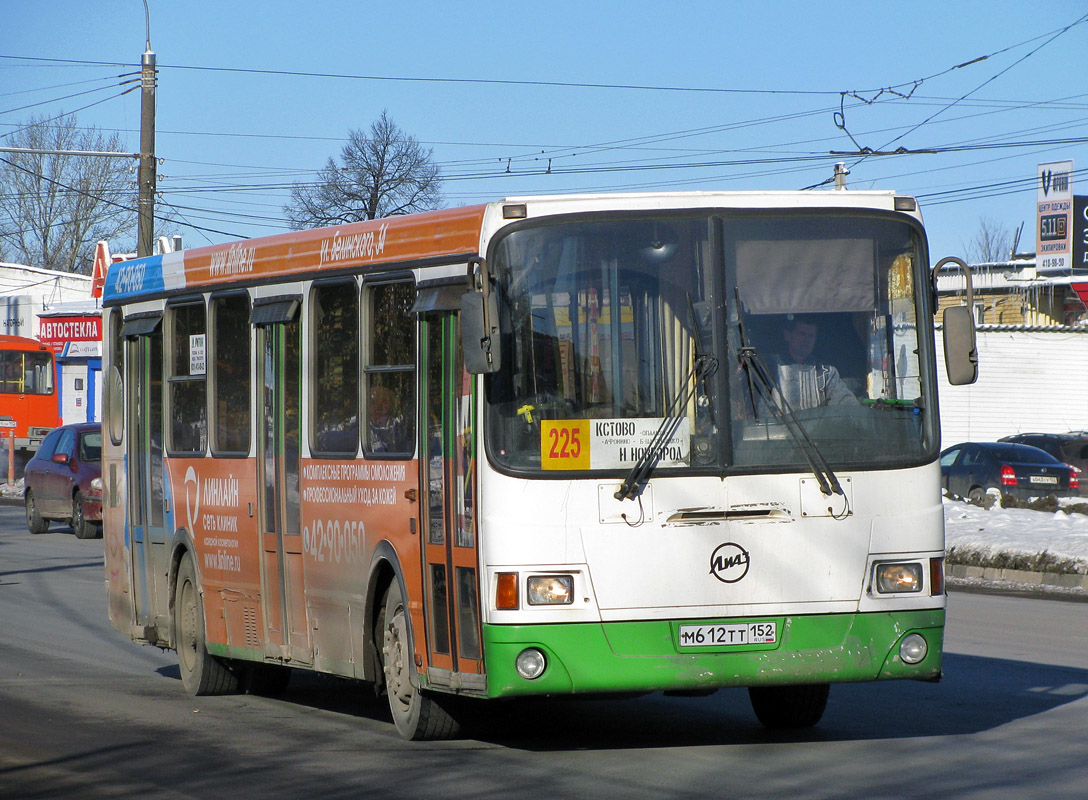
977,694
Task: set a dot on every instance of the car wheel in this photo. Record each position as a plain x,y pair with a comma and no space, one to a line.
976,494
34,520
81,527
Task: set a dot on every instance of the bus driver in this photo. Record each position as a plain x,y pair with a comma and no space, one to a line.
804,383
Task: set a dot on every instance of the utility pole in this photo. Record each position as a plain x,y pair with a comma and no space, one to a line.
145,203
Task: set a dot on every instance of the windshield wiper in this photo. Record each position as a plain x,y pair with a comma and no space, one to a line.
633,485
759,379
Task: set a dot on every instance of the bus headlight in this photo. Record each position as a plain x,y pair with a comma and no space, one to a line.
913,648
530,663
550,590
898,578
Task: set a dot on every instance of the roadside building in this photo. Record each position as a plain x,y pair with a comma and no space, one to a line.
73,331
1032,333
26,291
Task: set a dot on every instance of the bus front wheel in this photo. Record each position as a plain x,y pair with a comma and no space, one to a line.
789,706
416,714
201,672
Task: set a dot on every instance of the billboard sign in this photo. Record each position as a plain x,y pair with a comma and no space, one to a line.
1054,211
1080,234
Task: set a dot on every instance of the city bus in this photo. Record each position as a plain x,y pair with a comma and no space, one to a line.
537,447
29,406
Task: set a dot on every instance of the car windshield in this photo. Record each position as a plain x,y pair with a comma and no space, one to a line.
90,446
606,321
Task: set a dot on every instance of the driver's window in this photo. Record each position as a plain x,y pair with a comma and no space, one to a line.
67,444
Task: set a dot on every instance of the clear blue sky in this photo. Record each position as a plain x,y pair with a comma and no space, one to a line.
744,97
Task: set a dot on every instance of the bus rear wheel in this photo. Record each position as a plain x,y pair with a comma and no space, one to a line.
782,707
416,714
201,672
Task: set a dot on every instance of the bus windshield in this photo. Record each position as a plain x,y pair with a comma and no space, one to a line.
606,319
25,372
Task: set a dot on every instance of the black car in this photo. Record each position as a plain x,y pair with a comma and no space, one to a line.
969,469
1070,448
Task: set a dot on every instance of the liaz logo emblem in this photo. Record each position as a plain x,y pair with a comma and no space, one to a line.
729,562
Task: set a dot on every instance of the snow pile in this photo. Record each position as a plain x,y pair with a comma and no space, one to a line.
1015,530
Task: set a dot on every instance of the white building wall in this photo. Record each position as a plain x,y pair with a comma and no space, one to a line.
26,291
1028,381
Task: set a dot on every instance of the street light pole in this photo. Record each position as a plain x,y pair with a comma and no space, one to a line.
145,203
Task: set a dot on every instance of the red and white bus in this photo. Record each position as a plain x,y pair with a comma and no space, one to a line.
535,447
29,406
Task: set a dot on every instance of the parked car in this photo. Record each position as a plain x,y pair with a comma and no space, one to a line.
969,469
1070,448
63,481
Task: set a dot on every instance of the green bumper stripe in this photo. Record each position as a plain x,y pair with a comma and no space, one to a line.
645,656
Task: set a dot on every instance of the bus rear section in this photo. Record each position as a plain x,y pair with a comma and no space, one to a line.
29,405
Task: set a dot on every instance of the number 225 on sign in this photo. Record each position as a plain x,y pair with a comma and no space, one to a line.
564,443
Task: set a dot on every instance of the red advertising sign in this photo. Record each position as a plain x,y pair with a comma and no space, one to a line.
56,332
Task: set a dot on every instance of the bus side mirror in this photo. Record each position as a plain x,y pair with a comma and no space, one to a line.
960,347
960,350
480,332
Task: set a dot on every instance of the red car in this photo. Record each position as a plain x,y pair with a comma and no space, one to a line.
64,481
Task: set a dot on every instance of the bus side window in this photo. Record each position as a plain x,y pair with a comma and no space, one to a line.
390,368
188,388
11,372
115,388
335,361
231,345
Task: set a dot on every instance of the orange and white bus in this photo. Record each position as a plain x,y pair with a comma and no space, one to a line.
541,446
29,405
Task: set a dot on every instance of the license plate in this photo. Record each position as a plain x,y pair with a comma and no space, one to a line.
1044,479
728,635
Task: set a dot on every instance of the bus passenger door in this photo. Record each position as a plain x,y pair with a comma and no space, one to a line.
150,567
448,454
282,586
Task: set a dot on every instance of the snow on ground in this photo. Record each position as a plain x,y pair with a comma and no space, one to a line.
1015,530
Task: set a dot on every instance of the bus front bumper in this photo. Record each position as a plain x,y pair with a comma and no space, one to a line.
647,656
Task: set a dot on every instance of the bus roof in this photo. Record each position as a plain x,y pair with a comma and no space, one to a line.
20,343
444,236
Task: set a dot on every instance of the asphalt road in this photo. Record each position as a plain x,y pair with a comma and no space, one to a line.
84,713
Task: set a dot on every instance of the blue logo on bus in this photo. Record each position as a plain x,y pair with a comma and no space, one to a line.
139,276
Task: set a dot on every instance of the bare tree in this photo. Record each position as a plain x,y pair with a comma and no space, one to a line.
53,208
992,242
382,172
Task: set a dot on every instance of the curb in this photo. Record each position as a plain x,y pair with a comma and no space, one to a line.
1020,576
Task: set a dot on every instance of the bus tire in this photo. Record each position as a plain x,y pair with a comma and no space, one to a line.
781,707
81,526
201,672
417,714
34,520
